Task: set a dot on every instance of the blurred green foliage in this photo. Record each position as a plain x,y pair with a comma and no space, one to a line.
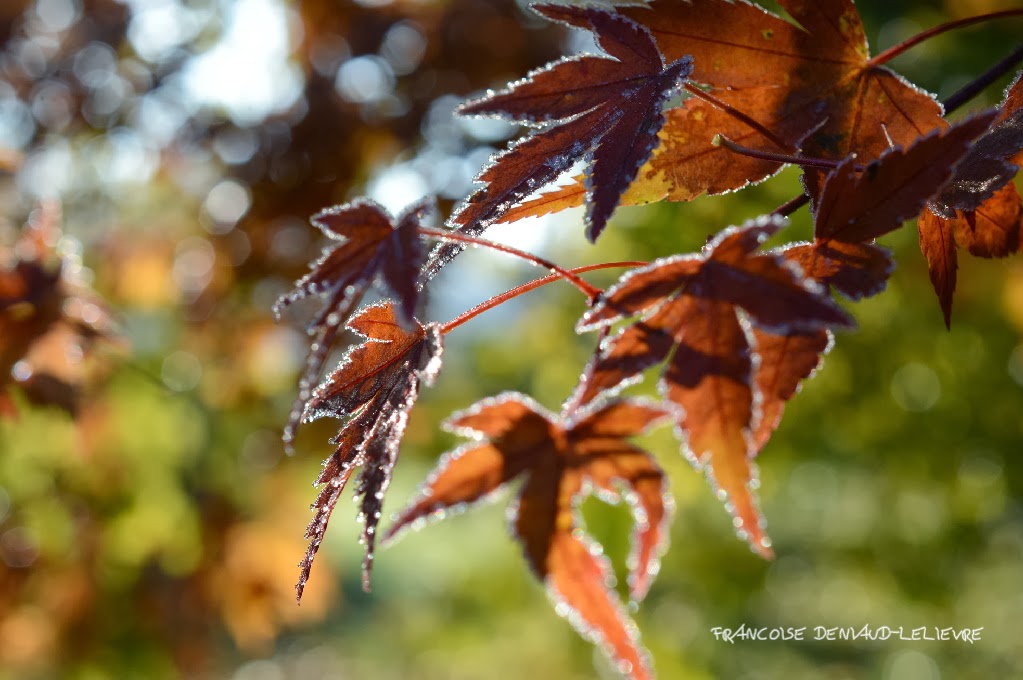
156,535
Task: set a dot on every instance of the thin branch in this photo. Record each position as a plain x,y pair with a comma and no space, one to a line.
525,288
822,163
978,84
583,286
896,50
791,206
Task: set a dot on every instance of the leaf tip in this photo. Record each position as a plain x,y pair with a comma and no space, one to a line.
764,548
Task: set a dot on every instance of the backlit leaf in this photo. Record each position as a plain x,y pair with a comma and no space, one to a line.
938,246
785,361
561,458
369,246
375,387
856,270
992,161
826,99
688,307
860,206
994,229
604,110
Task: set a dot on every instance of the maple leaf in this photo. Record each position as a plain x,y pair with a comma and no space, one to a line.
939,248
992,161
375,387
369,246
856,270
687,163
978,209
562,458
812,85
859,204
992,230
785,361
688,307
823,64
854,207
605,110
49,320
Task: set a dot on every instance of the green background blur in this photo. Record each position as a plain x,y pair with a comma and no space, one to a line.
157,533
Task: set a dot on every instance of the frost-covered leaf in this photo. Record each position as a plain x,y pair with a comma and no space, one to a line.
603,110
375,387
686,163
979,210
992,161
810,83
562,458
785,361
939,248
688,307
856,206
856,270
369,245
994,229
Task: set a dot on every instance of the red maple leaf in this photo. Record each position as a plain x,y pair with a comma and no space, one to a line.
785,361
992,161
811,84
979,210
994,229
560,459
375,387
855,207
858,204
370,245
821,63
689,316
604,110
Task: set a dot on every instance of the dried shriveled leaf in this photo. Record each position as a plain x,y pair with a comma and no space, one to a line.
603,110
375,387
370,245
562,458
49,320
689,316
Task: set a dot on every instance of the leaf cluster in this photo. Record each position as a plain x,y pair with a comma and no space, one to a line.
735,329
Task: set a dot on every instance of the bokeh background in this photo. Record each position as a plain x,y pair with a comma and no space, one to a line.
150,524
